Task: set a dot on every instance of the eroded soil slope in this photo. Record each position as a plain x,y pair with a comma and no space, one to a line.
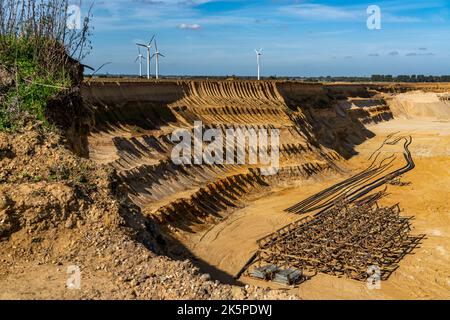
319,127
127,211
59,211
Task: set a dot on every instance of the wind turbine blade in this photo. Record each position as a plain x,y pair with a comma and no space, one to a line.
156,46
162,55
98,69
136,59
141,45
153,56
86,66
150,43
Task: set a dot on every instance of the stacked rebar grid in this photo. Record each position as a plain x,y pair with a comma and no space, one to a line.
343,241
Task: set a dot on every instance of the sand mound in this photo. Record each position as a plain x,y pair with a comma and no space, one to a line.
420,105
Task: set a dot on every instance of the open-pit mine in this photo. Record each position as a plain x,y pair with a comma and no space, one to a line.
358,209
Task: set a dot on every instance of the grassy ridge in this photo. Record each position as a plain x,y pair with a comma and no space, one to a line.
33,86
39,56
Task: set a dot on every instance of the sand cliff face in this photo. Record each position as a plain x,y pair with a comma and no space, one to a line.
421,105
133,122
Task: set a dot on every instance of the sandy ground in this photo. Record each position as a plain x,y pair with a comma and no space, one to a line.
423,105
424,274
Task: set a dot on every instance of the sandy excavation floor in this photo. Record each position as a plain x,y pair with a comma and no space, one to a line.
424,274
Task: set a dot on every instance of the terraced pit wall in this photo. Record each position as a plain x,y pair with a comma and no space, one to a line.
132,122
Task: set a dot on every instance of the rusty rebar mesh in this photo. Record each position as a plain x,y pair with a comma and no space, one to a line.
343,241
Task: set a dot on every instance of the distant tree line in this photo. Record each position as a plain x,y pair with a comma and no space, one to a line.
374,78
380,78
410,78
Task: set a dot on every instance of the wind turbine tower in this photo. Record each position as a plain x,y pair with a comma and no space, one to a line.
140,57
157,54
258,62
148,46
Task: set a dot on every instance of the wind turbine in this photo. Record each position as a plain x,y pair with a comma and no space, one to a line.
258,62
157,54
148,46
140,57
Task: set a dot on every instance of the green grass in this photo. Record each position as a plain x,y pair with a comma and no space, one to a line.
27,99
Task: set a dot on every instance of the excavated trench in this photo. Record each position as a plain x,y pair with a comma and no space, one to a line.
132,123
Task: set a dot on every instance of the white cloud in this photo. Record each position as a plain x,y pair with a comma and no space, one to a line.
402,19
322,12
185,26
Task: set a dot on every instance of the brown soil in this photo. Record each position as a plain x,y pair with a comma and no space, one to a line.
421,106
141,227
58,210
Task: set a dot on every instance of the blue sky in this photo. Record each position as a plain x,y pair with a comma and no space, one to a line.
298,37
